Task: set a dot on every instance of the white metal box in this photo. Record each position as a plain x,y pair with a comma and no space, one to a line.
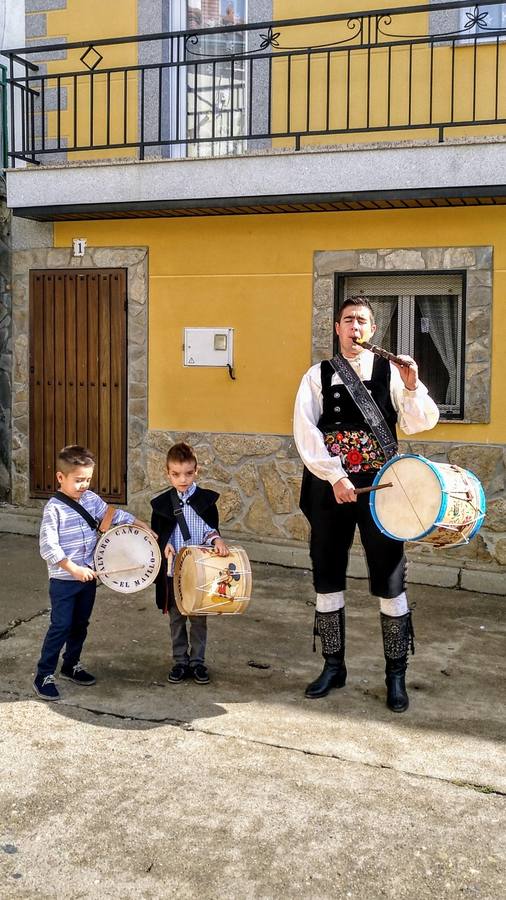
208,346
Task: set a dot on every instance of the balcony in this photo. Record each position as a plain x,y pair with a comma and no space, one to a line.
424,86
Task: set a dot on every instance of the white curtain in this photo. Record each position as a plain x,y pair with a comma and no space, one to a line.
441,315
384,309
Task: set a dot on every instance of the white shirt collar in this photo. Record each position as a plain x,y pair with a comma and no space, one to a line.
356,361
185,495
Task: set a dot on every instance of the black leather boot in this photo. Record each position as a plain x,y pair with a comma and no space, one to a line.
330,627
398,636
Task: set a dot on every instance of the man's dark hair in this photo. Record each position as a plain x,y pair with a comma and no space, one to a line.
180,453
73,456
355,301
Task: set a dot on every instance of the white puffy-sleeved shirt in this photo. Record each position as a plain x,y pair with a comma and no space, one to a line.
64,534
416,411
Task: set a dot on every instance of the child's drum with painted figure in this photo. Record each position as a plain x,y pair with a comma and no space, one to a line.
433,503
206,584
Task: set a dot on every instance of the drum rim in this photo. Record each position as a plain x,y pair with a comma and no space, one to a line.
154,544
441,511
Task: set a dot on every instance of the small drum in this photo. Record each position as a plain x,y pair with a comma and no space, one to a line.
127,558
434,503
209,585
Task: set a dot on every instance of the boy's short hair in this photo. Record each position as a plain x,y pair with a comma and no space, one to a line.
180,453
73,456
355,301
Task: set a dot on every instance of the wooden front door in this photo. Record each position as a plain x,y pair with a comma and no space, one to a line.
78,352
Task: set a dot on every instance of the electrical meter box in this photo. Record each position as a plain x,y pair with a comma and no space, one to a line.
208,346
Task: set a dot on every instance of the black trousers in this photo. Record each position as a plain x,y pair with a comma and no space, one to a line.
332,530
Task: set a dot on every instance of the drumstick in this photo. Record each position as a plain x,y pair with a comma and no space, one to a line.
118,571
374,487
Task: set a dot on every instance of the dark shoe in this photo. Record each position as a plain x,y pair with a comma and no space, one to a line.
333,676
77,674
45,687
200,674
397,697
178,673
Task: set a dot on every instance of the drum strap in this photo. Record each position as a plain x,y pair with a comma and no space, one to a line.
178,507
366,404
107,520
92,522
102,526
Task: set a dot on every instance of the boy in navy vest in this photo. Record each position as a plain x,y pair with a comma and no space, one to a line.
200,527
340,452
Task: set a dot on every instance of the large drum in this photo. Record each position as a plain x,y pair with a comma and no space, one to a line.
209,585
127,558
434,503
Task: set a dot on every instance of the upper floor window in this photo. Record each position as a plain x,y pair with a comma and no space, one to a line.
422,316
216,91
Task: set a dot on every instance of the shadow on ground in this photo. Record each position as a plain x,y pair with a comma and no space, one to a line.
261,662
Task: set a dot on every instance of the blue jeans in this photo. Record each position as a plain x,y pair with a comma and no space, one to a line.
71,606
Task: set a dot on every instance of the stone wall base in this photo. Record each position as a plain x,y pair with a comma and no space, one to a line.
447,574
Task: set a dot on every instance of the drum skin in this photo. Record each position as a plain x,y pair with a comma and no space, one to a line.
432,503
206,584
127,558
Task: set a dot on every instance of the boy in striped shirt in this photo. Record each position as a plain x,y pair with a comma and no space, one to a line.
67,544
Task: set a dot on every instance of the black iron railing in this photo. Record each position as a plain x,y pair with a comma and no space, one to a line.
3,117
217,91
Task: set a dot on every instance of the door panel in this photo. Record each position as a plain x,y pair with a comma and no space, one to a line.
78,347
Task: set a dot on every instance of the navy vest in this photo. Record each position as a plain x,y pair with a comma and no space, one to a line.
340,410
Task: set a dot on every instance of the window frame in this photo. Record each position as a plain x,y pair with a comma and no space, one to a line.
453,414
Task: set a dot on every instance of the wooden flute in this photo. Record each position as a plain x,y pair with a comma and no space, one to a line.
380,352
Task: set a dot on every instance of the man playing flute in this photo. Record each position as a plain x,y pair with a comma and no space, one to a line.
342,451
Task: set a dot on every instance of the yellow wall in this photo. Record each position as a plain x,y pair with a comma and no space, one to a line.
95,19
254,273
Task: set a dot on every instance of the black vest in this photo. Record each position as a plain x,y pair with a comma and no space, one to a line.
340,410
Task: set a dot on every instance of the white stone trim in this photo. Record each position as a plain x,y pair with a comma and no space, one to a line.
357,171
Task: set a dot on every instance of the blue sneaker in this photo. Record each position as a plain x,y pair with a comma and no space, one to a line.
77,674
45,687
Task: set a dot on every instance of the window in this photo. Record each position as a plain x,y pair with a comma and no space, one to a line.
215,91
423,316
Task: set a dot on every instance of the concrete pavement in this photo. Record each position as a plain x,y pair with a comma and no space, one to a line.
242,788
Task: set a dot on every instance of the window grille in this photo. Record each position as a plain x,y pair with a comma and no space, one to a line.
490,18
483,24
423,316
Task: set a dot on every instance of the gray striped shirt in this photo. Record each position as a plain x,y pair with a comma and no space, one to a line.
65,535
